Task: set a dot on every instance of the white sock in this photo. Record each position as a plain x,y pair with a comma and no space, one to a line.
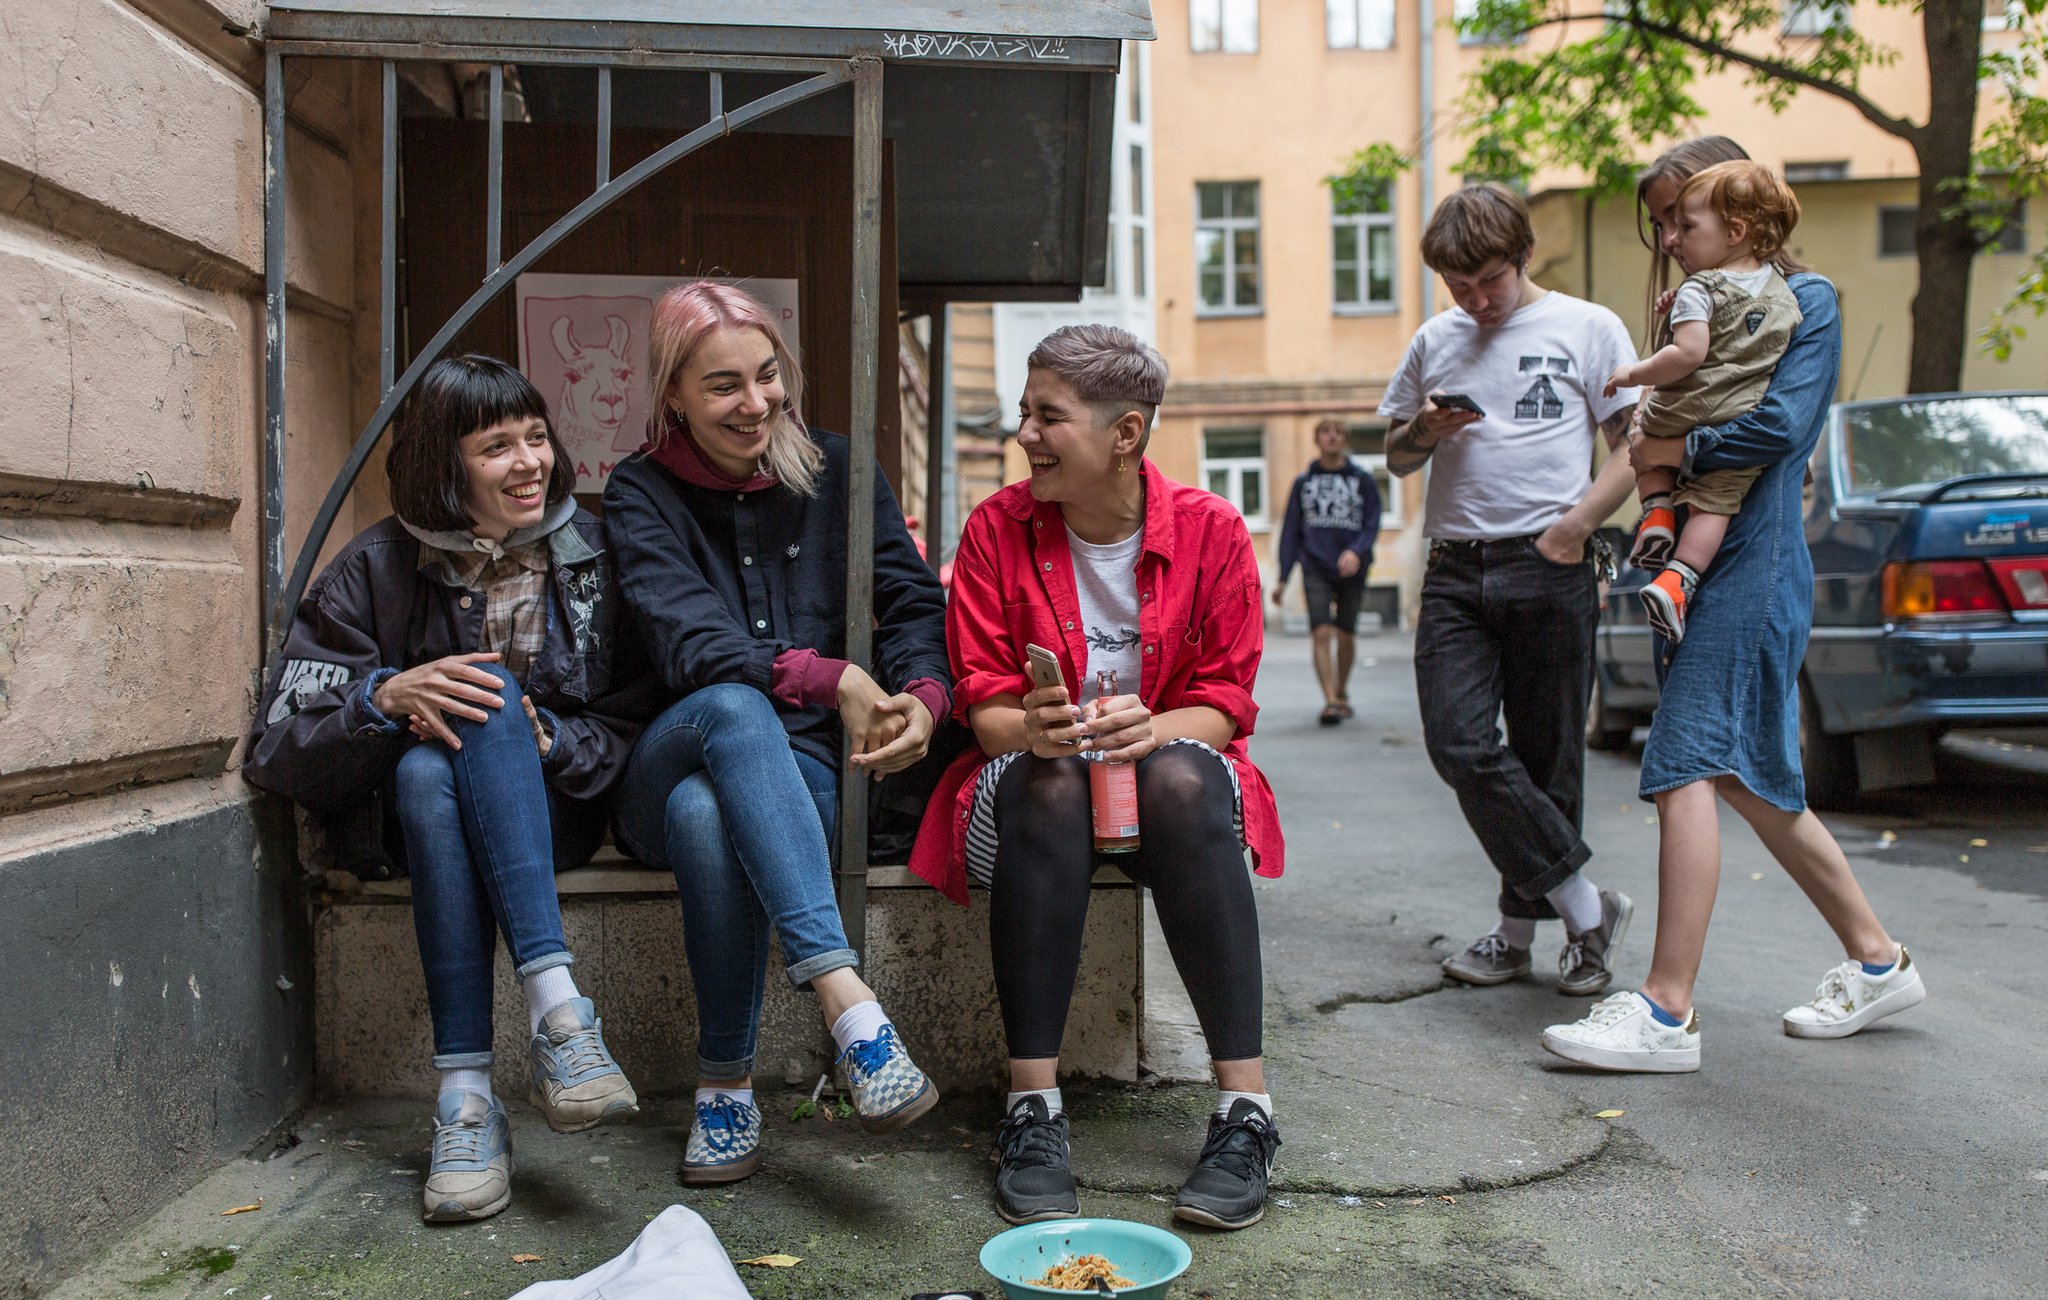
546,990
1054,1103
1578,902
743,1095
1519,931
1225,1099
860,1023
464,1078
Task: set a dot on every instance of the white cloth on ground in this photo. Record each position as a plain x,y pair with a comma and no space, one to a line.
676,1255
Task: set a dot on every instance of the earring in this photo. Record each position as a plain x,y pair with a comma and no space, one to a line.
1120,467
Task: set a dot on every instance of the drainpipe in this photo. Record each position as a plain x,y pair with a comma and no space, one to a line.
1425,47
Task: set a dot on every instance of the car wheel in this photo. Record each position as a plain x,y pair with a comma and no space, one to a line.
1829,762
1605,729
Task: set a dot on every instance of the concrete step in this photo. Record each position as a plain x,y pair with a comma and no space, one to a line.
926,958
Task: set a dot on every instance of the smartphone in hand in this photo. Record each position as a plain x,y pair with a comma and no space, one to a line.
1043,665
1457,402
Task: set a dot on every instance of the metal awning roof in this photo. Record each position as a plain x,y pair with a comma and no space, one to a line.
1000,111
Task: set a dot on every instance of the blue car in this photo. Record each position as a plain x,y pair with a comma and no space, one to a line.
1927,521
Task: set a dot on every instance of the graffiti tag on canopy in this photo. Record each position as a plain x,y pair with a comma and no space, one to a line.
583,343
941,45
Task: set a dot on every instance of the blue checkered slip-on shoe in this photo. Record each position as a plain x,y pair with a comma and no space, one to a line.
576,1084
469,1175
888,1090
725,1142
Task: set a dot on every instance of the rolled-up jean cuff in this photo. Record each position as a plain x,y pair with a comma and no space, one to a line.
462,1061
549,962
1555,874
723,1071
811,967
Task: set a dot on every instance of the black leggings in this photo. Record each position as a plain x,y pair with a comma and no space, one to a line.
1190,859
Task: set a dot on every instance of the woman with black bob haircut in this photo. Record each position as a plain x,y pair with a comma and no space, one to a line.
462,661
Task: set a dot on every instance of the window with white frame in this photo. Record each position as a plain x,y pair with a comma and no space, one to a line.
2003,15
1369,452
1466,10
1224,26
1140,221
1895,230
1362,251
1234,468
1227,247
1359,24
1812,17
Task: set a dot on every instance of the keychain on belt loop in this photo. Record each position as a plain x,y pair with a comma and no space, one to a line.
1112,789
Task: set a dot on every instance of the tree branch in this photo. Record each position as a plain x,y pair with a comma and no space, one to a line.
1903,128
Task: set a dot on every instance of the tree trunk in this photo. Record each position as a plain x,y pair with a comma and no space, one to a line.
1946,245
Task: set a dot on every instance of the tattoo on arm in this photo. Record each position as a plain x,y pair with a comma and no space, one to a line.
1406,452
1616,428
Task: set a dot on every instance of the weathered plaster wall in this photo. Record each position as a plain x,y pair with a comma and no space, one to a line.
147,904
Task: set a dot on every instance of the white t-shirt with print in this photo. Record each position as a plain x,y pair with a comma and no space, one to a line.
1538,377
1106,588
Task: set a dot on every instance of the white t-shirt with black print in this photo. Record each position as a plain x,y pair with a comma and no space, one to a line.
1538,377
1106,588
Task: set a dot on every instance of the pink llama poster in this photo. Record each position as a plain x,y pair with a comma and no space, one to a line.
583,343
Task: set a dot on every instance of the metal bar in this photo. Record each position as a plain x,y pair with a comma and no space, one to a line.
610,54
860,491
717,95
938,426
494,203
387,264
276,612
502,279
942,537
604,126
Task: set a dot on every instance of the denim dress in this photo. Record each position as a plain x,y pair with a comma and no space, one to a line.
1730,691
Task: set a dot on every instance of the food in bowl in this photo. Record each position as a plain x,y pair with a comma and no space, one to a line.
1081,1273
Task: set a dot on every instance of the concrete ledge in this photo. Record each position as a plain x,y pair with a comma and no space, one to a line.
926,958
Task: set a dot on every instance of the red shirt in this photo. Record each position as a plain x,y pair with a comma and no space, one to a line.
1201,626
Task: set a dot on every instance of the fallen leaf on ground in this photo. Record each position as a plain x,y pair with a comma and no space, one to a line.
1888,836
241,1209
1749,1173
2037,848
1609,1114
1448,1200
1417,1201
774,1261
804,1110
1978,844
353,1144
1962,857
1379,1205
526,1259
1756,875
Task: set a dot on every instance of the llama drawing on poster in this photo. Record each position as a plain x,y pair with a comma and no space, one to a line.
597,385
583,343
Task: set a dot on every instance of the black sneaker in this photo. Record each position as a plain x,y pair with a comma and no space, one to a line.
1228,1187
1033,1178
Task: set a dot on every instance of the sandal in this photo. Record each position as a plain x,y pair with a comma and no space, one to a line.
1343,708
1330,716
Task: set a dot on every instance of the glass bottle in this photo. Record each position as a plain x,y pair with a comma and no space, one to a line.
1112,790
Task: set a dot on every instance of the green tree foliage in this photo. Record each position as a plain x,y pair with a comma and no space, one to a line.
1600,88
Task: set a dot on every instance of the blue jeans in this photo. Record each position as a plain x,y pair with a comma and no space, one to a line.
482,841
713,792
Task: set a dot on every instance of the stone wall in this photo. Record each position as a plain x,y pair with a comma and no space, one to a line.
155,949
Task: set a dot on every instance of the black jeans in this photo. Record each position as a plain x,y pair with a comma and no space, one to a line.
1504,631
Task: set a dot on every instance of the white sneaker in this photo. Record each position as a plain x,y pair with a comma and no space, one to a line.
1849,999
1619,1033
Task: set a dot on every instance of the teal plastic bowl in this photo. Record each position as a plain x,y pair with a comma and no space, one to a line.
1151,1257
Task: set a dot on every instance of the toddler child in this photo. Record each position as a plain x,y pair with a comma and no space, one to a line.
1729,323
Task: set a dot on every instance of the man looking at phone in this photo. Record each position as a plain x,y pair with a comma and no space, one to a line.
1502,396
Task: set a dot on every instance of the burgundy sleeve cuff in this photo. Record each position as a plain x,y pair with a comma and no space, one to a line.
802,678
937,700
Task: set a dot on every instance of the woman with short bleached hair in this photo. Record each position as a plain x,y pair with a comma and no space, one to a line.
1132,579
730,536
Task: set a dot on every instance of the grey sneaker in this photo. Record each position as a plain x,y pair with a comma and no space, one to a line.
1488,961
576,1084
469,1175
1583,964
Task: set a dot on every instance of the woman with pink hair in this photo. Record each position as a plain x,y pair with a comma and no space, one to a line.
729,531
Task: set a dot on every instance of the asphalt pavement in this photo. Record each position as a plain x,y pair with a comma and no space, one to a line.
1430,1146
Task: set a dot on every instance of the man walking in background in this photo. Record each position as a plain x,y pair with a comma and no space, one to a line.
1503,394
1333,518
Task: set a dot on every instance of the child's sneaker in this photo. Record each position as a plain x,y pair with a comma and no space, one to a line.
1656,534
888,1090
1666,599
1620,1033
576,1084
724,1144
1851,998
469,1175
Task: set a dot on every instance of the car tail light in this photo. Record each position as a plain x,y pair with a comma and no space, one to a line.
2024,581
1940,588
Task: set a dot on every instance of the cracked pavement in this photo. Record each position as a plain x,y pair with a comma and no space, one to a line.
1430,1146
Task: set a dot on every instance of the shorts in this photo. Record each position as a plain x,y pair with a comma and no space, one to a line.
1718,492
1341,595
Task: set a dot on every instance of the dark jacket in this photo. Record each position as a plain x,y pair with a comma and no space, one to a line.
373,612
1329,512
723,581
